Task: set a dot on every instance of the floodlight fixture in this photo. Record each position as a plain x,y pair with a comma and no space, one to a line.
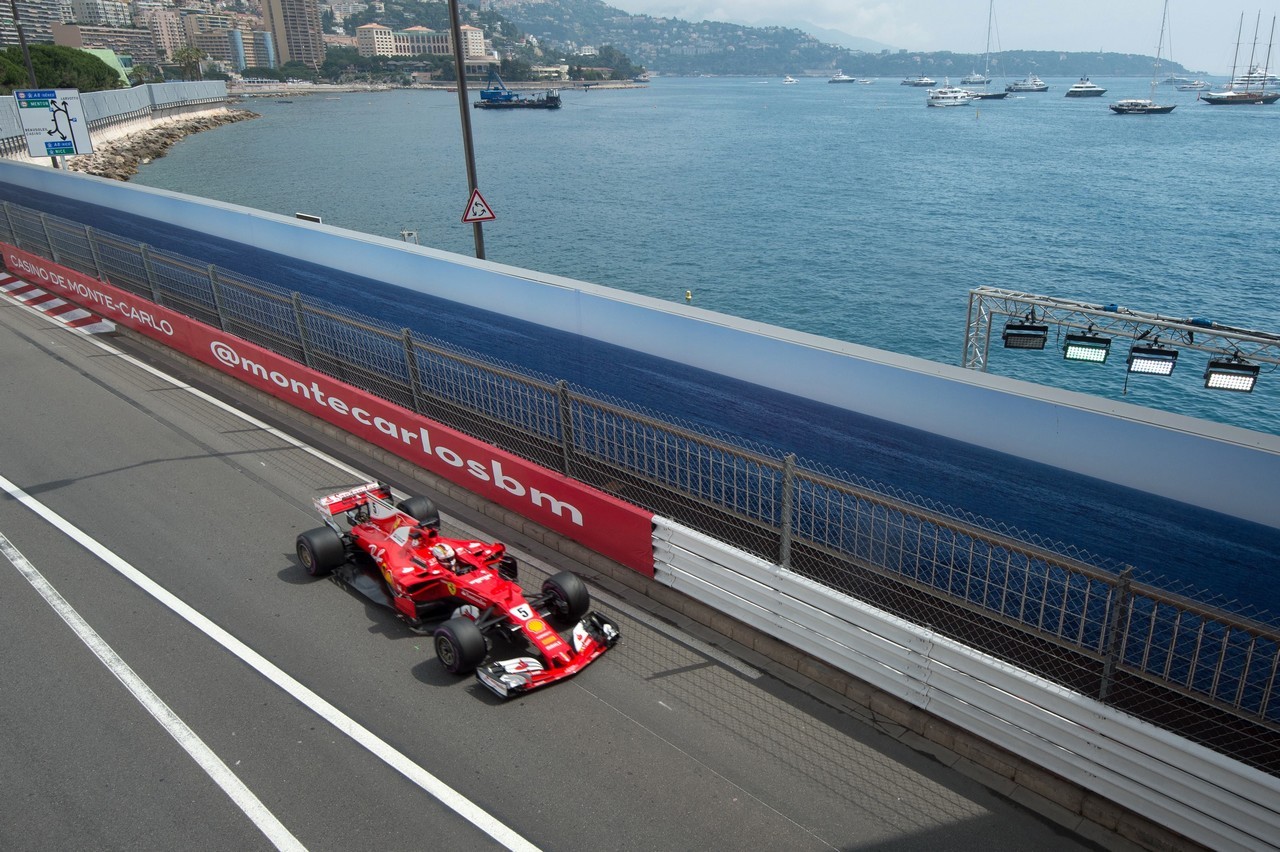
1086,347
1231,375
1025,335
1152,360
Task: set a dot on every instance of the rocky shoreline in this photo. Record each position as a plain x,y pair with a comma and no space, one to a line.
119,159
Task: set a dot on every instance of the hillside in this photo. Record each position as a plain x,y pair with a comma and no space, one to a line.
674,46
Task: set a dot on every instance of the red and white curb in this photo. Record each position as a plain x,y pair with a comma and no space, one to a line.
72,316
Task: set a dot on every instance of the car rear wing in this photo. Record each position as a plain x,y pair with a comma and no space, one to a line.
362,495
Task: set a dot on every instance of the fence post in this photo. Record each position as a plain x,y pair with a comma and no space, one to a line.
300,319
48,241
415,374
8,224
565,405
93,252
150,273
1113,639
216,290
788,509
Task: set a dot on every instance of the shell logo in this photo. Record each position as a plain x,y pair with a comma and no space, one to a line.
536,626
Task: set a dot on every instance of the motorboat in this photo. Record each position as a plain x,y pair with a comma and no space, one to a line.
1032,83
841,77
1140,106
1192,86
920,81
1085,89
948,95
789,80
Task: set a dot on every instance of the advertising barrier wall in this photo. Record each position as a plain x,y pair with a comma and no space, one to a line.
594,519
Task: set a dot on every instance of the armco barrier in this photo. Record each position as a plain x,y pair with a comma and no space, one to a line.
594,519
1175,783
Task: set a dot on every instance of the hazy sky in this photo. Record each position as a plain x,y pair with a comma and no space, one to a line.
1202,34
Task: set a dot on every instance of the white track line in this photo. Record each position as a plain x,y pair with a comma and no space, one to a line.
178,729
451,798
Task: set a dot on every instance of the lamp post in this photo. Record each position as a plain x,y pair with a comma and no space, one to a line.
22,41
468,150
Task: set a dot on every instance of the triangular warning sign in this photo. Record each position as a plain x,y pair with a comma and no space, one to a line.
478,209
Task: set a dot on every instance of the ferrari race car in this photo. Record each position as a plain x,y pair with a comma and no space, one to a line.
394,555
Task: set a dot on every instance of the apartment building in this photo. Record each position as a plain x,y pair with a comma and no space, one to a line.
295,26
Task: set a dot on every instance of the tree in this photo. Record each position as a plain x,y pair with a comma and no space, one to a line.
257,72
188,59
57,67
146,73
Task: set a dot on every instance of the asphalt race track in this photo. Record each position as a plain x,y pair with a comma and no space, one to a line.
1172,544
666,743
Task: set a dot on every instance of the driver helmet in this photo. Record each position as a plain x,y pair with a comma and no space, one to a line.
443,553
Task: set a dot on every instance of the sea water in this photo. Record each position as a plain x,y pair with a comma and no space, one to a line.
850,211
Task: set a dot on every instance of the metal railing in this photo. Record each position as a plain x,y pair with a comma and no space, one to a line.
1195,669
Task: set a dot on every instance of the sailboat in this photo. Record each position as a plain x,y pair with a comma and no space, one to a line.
1247,95
1148,106
985,77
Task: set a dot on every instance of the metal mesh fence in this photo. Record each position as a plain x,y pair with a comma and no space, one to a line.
1197,669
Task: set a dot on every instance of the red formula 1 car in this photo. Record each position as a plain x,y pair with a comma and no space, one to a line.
394,554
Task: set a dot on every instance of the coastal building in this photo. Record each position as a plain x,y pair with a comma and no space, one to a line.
132,41
295,26
37,18
101,13
165,24
252,49
379,40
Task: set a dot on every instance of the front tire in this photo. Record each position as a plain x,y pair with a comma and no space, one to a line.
422,510
460,645
567,596
320,551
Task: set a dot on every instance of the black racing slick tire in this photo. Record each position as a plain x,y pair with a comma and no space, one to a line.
567,596
320,551
422,510
460,645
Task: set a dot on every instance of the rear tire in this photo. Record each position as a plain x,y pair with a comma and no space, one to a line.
320,551
460,645
422,510
567,596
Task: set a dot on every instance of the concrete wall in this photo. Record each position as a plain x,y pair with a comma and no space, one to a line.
1218,467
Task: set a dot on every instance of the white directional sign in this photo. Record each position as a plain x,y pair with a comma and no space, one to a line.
478,209
53,122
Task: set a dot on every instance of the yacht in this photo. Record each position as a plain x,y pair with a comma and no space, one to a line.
1255,77
1140,106
842,77
1031,84
789,79
1148,106
949,95
974,79
1085,89
920,81
1192,86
